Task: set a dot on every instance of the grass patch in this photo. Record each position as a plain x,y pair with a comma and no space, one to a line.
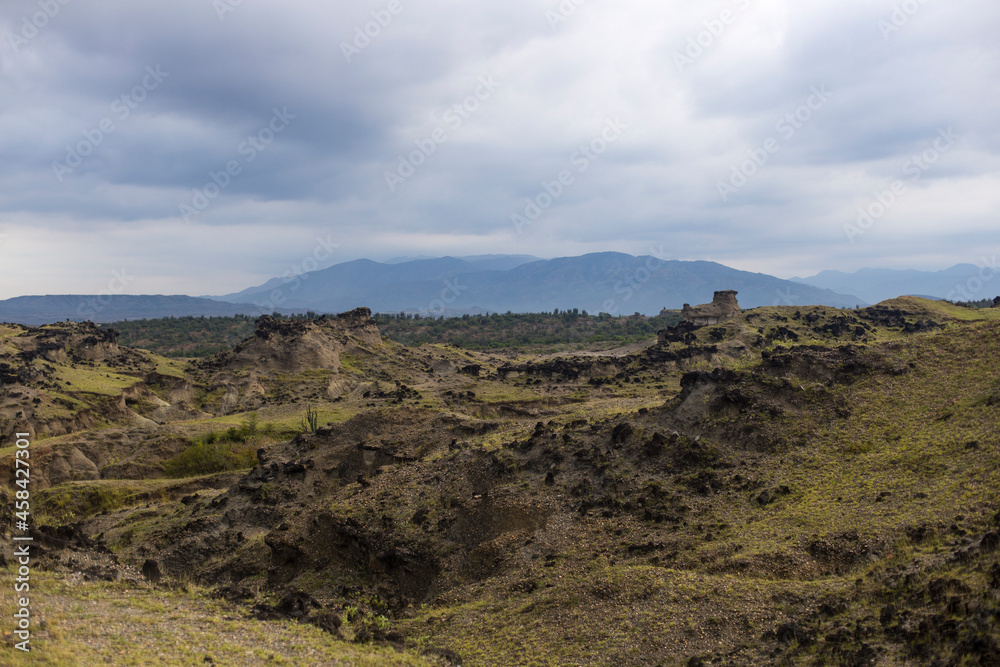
98,381
77,500
211,455
128,624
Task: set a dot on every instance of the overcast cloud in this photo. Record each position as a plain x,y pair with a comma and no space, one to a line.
202,146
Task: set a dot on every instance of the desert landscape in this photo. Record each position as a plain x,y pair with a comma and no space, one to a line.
791,485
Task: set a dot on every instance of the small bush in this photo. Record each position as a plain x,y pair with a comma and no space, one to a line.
204,458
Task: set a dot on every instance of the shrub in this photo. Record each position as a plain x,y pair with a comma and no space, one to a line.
204,458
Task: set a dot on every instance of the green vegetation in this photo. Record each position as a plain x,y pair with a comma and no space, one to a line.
208,457
205,336
101,380
184,336
232,449
311,421
523,330
797,486
131,624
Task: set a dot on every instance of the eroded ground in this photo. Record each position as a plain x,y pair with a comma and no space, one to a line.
794,486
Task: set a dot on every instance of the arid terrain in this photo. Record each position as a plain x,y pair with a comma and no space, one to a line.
794,486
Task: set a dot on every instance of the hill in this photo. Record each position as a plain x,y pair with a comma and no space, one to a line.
37,310
613,283
796,485
874,285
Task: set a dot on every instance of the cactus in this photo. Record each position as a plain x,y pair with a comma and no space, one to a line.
311,420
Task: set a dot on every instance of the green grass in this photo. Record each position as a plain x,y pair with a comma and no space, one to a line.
203,458
102,381
166,366
129,624
73,501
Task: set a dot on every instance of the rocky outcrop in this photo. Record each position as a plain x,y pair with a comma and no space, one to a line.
67,341
297,345
723,307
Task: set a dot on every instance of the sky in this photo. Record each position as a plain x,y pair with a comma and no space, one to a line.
204,146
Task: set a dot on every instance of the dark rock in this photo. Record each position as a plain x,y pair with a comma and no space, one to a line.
294,469
327,621
151,570
655,445
621,433
791,631
833,607
840,635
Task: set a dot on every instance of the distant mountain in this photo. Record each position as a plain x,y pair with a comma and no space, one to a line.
874,285
602,282
347,283
36,310
607,282
482,262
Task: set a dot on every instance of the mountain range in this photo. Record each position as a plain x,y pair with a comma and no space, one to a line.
962,282
609,282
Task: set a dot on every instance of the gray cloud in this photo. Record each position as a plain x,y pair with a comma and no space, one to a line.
361,110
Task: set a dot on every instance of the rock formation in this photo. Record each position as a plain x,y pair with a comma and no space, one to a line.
723,307
294,346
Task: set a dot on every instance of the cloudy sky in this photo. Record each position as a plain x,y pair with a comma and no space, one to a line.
202,146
